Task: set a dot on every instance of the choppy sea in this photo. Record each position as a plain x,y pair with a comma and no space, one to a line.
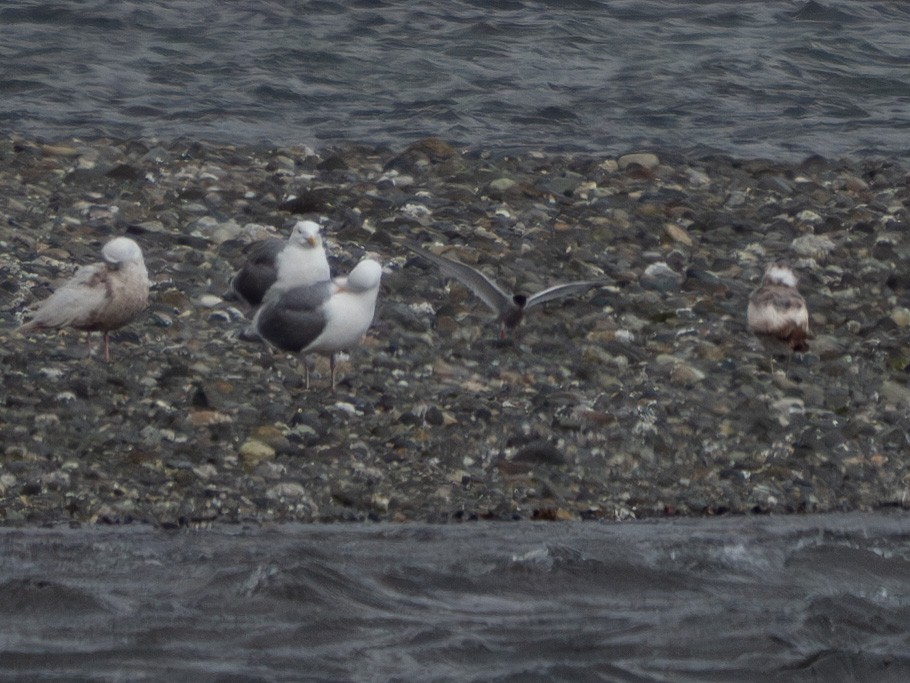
815,598
821,598
781,79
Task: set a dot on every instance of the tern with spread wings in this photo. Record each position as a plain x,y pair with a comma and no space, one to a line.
509,308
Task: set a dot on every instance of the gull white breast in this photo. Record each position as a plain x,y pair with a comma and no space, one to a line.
299,260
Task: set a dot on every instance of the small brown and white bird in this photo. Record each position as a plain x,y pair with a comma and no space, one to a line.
99,297
777,309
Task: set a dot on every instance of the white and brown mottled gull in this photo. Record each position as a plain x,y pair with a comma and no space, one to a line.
777,310
99,297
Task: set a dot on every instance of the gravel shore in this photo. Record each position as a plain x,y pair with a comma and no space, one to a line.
645,398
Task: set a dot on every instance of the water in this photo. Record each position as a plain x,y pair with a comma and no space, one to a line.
773,79
744,599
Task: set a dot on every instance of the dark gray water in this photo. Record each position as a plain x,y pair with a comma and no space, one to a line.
775,79
823,598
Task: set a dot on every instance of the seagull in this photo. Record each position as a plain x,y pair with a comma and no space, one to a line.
325,317
777,309
102,296
299,260
509,308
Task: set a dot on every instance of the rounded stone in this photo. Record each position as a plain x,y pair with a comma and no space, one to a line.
660,277
812,246
646,160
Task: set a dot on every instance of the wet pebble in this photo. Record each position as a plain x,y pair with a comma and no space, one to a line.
646,396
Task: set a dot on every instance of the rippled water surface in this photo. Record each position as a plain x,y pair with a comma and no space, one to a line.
822,598
776,79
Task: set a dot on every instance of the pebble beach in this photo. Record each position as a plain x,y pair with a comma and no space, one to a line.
645,398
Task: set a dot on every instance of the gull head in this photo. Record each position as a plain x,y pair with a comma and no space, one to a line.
121,250
780,273
306,234
364,277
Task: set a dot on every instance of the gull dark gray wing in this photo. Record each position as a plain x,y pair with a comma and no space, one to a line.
488,291
559,291
292,319
259,272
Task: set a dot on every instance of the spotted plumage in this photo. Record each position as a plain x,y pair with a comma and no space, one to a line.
777,309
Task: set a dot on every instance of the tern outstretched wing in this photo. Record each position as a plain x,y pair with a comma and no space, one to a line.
559,291
491,293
